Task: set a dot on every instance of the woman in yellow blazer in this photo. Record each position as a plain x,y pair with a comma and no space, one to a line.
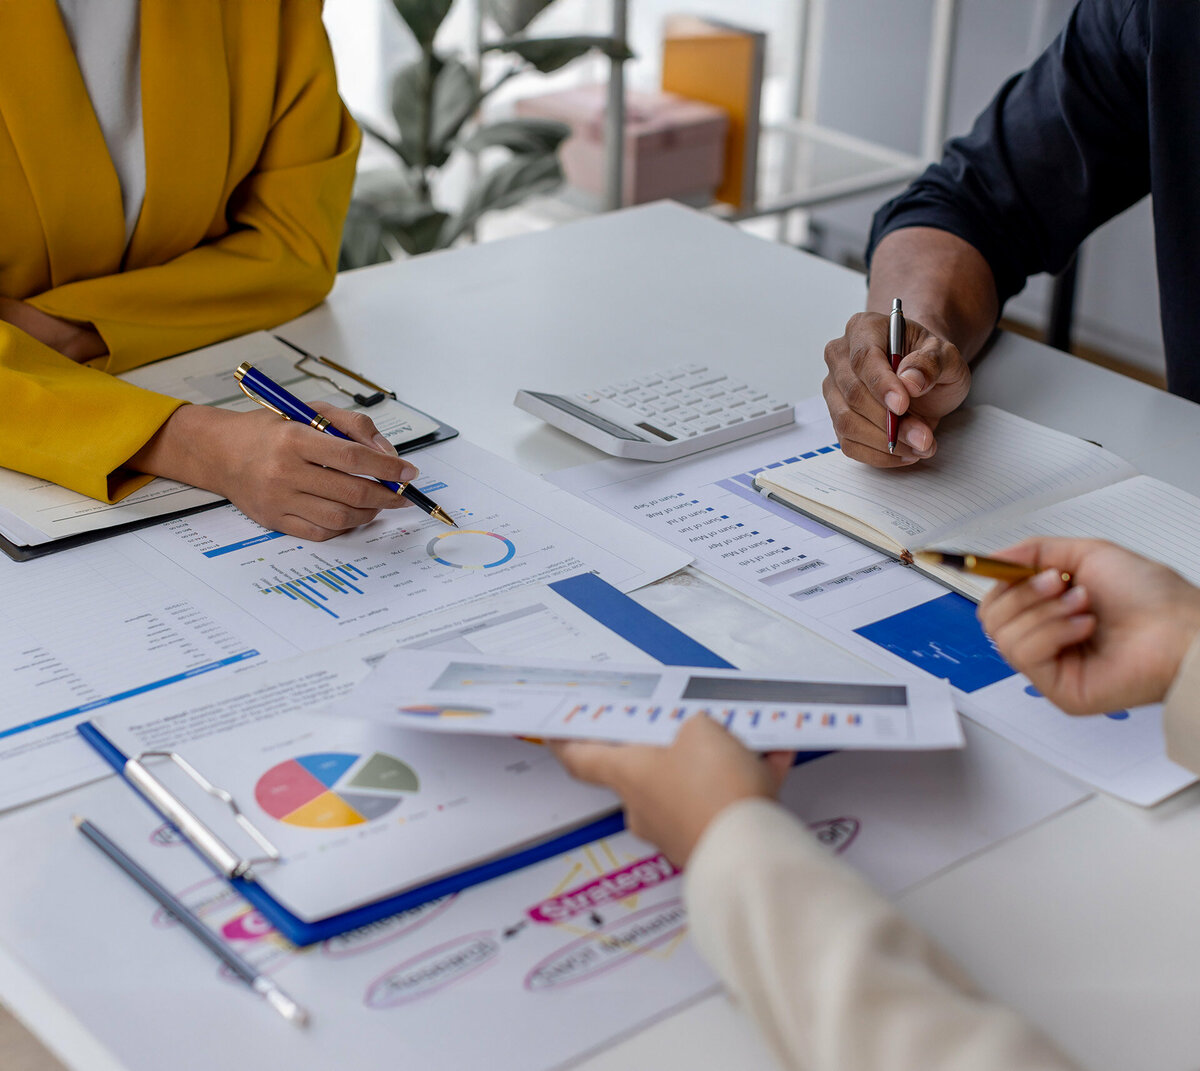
249,163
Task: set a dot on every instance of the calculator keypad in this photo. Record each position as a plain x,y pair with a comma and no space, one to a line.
682,402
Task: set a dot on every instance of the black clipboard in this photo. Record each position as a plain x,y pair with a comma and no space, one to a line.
21,552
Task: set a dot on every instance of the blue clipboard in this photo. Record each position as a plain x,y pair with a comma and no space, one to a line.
598,599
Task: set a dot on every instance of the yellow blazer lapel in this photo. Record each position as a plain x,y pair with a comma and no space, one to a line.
58,141
185,115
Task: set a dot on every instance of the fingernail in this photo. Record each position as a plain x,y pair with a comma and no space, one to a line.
914,379
408,474
916,438
1074,598
1046,582
382,445
894,400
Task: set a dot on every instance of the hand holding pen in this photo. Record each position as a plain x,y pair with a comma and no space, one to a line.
261,389
887,394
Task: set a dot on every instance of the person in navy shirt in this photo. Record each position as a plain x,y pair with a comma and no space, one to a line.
1107,114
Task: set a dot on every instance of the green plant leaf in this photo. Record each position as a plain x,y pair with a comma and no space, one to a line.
549,53
455,97
397,146
505,185
431,99
512,16
423,17
381,191
420,233
412,91
362,239
531,136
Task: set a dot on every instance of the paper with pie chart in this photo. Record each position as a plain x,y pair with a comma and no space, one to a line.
443,691
329,790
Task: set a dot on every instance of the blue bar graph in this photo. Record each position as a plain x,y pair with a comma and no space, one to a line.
943,638
316,589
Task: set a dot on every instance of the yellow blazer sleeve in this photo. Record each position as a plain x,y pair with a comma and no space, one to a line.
279,255
70,424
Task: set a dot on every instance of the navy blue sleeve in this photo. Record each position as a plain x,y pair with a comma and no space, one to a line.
1062,148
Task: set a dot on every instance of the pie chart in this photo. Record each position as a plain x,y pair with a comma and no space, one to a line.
465,548
459,710
333,789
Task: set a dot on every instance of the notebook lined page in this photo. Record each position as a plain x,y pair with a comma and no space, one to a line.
987,460
1143,514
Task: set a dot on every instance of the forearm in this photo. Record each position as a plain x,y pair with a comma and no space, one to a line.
833,975
944,282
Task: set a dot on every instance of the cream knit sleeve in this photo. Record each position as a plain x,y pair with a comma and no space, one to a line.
833,975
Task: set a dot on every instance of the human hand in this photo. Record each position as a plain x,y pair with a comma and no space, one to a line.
671,794
1113,638
281,474
79,342
860,388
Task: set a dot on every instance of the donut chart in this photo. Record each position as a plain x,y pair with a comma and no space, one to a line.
334,789
467,548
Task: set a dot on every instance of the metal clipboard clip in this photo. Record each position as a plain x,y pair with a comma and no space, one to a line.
223,858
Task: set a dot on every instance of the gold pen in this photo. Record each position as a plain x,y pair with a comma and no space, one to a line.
996,568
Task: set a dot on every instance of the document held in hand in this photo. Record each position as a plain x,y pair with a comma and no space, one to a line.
449,692
995,480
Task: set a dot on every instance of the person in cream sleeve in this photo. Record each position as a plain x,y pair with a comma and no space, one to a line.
834,976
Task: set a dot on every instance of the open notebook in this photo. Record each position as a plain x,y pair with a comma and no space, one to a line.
996,479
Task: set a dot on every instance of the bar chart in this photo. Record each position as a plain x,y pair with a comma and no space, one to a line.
319,589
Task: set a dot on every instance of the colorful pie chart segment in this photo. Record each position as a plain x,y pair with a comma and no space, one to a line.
465,548
331,790
423,710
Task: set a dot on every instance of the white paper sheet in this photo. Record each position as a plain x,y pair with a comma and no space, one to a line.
355,819
871,605
436,691
541,963
157,609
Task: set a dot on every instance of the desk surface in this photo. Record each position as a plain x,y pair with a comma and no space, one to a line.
1085,923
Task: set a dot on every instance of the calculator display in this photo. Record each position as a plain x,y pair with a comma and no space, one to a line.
578,411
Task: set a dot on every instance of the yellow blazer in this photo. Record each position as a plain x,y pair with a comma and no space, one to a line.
249,166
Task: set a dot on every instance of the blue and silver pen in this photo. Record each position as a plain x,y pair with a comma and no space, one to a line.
266,392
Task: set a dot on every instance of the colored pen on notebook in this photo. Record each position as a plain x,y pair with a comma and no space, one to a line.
264,986
897,329
996,568
266,392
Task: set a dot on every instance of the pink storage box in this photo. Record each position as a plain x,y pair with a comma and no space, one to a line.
674,147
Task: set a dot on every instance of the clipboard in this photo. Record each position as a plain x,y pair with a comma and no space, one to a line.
22,552
606,604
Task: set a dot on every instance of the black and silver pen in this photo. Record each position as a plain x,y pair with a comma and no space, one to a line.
264,986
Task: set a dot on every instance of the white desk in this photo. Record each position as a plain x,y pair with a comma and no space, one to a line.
1087,924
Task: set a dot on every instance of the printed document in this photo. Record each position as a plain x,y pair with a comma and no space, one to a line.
547,964
214,592
870,604
448,692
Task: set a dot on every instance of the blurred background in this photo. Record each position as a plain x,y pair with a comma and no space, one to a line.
859,69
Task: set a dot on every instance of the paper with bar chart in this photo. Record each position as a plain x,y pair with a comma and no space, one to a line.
441,691
210,593
514,529
864,601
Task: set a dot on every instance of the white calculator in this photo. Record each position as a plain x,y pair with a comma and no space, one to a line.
661,415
